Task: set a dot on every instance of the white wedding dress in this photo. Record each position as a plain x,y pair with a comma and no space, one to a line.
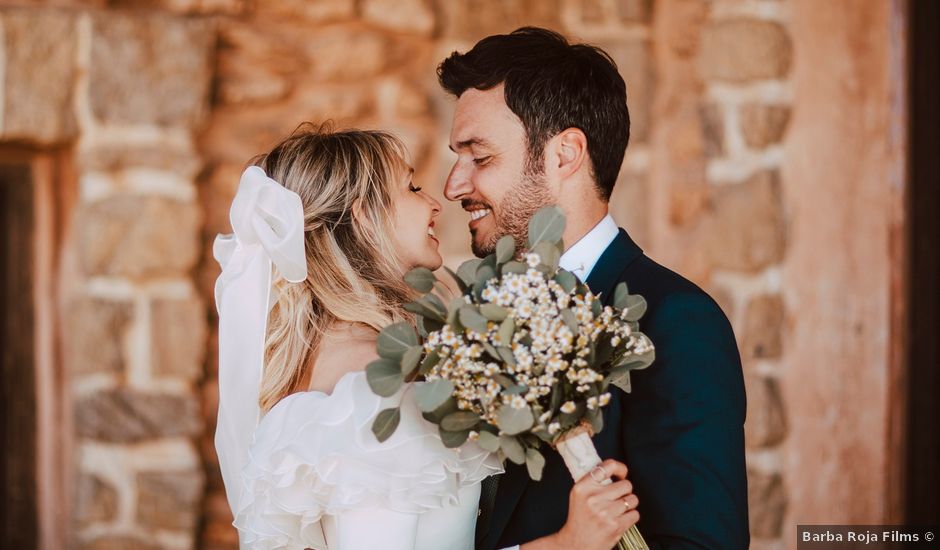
318,478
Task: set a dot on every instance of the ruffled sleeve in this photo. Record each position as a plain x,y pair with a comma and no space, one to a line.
315,454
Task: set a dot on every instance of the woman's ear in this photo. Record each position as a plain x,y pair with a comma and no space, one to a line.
359,214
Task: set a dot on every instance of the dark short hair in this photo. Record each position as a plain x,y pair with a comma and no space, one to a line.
551,85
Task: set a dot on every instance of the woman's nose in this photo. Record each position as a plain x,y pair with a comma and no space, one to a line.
435,206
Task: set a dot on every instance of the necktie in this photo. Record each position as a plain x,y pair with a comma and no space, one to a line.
487,503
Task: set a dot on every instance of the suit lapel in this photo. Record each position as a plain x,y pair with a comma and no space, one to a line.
510,489
618,255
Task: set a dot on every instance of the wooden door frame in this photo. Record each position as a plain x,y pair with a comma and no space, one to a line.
53,192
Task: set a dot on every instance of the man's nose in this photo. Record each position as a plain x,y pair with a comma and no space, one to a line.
458,183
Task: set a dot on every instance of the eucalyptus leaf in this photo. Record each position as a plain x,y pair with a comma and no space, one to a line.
567,280
385,423
488,441
453,308
484,273
430,361
548,224
394,340
384,376
505,249
534,463
452,440
494,312
467,272
642,360
596,418
636,307
460,420
514,267
549,255
512,449
506,329
506,355
489,349
409,361
620,296
571,321
421,279
621,379
422,330
431,325
435,303
432,395
461,284
438,414
596,308
471,318
557,395
422,308
513,421
516,389
503,380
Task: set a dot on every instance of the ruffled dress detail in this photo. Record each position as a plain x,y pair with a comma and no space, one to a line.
314,454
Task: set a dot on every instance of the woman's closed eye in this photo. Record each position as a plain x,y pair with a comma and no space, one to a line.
413,189
480,161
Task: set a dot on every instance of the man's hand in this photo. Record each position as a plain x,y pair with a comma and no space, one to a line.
597,514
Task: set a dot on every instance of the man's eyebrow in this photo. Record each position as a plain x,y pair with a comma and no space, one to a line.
470,142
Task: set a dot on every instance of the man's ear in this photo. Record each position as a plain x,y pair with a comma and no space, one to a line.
570,152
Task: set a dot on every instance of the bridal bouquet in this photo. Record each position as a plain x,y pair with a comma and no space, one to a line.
524,356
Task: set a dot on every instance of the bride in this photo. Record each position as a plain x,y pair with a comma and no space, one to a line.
325,225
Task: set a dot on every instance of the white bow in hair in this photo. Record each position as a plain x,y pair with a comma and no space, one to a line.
268,224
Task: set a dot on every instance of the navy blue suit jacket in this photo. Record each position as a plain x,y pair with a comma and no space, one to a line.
680,431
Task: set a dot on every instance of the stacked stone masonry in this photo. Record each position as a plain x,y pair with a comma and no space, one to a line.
163,103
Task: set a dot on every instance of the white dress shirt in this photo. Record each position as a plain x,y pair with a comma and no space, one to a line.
583,255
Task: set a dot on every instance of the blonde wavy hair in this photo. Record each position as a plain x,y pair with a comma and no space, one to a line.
353,271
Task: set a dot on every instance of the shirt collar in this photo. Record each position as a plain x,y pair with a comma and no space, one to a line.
583,255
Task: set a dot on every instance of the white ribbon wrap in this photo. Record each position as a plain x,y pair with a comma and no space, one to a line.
268,224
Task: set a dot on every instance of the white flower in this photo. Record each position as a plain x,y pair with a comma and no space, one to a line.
553,428
569,407
532,259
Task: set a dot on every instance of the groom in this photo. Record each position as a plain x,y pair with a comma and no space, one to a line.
540,121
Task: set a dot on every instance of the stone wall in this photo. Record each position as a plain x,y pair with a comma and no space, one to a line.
721,112
126,93
735,177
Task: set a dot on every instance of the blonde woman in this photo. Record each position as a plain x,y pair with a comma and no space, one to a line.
325,226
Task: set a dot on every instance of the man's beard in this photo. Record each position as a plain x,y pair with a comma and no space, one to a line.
512,215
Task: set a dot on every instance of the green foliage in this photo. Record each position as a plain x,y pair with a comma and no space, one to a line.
534,463
385,423
514,421
384,376
548,224
394,340
421,279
